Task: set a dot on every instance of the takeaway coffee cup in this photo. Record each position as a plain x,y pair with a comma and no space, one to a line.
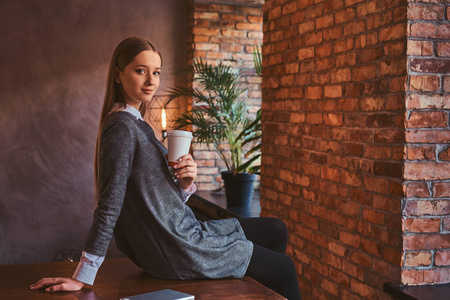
179,142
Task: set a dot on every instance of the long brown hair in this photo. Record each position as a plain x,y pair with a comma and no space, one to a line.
124,54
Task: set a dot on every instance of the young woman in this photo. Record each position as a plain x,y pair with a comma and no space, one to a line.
141,203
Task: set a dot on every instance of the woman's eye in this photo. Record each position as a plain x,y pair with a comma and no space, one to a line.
157,73
141,71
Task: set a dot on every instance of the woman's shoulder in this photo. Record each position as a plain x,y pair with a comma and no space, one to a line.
121,117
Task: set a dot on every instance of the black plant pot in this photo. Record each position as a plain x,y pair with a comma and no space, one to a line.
238,188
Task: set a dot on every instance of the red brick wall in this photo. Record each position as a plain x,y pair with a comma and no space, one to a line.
426,222
225,31
333,138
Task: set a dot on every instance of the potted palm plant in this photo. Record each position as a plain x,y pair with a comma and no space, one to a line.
219,118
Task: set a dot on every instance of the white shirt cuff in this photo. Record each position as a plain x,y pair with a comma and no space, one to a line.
186,194
87,268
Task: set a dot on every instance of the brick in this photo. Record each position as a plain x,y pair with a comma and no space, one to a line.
349,296
426,242
232,33
229,48
343,46
354,28
274,13
289,8
421,152
313,93
427,119
427,207
395,48
344,16
420,48
417,259
381,120
332,33
380,20
352,149
249,26
418,11
424,83
388,136
430,30
364,72
387,204
221,8
255,11
444,153
422,225
333,119
421,101
362,289
347,59
255,19
206,31
233,17
392,32
340,75
361,258
367,8
352,270
393,256
349,239
426,171
330,287
333,91
441,189
369,54
372,104
306,53
442,258
446,84
426,276
429,65
206,46
324,22
366,40
443,49
375,184
378,152
434,136
446,224
392,67
417,189
206,15
373,216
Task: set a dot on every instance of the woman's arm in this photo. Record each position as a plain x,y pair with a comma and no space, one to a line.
116,156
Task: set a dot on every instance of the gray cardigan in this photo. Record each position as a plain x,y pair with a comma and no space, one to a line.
140,204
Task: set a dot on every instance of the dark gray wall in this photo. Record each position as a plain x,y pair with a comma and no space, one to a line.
54,57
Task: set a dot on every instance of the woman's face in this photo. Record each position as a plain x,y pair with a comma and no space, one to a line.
140,78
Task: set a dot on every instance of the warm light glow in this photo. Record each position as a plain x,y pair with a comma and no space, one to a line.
163,117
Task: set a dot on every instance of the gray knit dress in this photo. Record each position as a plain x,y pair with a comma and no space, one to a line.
141,205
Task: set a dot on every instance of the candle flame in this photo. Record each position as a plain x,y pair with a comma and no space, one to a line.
163,117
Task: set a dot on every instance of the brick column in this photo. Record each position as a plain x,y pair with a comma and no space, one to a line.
426,222
225,31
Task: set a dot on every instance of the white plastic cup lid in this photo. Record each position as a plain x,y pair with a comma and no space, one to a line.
181,133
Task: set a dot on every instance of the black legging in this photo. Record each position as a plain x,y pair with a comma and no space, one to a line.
269,264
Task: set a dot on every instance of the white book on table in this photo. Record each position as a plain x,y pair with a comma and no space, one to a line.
161,295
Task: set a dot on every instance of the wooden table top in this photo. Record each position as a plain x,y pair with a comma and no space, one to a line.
121,278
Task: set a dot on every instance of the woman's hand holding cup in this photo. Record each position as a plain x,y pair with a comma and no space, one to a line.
185,171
